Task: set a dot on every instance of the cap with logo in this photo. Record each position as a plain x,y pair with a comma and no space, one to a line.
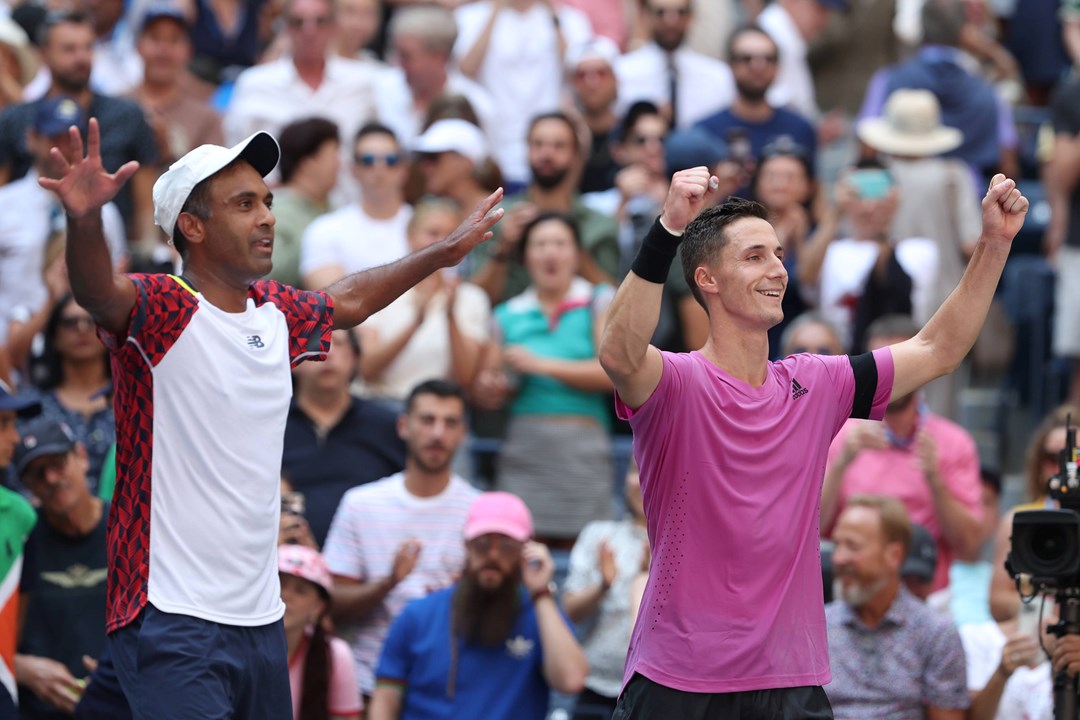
305,563
501,513
53,116
172,189
42,437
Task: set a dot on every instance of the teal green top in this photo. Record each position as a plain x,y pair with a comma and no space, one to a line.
107,479
568,336
292,214
17,519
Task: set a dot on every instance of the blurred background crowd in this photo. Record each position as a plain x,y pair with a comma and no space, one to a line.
868,129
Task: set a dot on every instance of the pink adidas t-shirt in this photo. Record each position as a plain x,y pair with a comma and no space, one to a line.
731,477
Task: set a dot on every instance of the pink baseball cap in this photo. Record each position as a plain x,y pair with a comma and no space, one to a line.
306,563
499,512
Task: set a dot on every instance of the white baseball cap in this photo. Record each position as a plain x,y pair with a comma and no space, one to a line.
595,48
454,135
174,186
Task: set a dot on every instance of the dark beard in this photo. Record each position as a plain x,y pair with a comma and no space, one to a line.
752,94
551,180
485,617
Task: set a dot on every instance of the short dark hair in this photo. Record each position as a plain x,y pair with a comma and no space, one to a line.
559,116
705,237
197,204
638,110
752,28
302,139
61,17
439,388
373,128
990,478
943,22
543,217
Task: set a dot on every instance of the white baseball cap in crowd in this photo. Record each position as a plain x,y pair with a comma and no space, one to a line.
597,47
454,135
172,189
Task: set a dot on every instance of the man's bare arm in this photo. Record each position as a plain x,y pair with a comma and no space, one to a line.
632,363
362,294
83,188
942,344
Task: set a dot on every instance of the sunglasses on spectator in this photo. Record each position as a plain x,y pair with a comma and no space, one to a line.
747,58
369,159
682,12
76,323
645,139
298,22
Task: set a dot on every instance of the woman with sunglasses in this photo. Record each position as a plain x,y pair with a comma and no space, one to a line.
71,374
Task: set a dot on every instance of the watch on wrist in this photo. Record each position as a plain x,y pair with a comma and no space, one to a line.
548,590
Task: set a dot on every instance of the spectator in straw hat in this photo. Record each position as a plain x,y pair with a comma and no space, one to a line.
18,63
936,194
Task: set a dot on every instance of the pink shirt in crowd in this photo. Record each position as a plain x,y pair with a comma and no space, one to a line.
895,471
344,699
731,478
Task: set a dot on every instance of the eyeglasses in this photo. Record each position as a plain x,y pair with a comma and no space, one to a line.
682,12
747,58
295,23
42,467
645,139
78,322
369,159
504,545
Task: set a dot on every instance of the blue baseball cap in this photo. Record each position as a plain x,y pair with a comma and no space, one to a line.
42,437
23,407
55,115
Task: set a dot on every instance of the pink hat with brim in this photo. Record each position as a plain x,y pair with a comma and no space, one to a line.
500,513
306,563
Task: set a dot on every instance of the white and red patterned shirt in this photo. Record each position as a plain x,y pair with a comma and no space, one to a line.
201,401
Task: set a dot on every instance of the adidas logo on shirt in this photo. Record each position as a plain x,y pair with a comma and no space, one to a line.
797,390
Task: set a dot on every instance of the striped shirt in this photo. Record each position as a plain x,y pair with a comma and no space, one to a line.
370,525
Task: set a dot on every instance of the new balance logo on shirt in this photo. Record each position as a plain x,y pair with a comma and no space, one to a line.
797,390
254,341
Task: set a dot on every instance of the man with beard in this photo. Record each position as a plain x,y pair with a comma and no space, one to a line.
555,161
890,654
752,123
67,47
688,85
928,462
398,538
495,644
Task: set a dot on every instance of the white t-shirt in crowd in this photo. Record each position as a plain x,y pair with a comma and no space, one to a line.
350,239
644,75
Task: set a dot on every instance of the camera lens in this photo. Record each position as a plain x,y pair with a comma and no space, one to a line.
1049,543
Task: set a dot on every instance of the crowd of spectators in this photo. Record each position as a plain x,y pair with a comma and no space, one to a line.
866,128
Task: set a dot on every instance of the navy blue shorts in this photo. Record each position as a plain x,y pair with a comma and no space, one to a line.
103,698
177,667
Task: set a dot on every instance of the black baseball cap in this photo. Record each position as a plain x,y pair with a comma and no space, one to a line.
922,558
42,437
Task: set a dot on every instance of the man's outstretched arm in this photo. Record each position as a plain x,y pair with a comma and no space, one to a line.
363,294
635,366
83,188
942,344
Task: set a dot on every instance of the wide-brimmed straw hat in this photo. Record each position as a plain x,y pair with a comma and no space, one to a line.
910,127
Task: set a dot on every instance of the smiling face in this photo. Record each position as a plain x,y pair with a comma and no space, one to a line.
237,241
551,256
863,561
749,280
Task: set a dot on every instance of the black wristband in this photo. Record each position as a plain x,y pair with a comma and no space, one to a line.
658,249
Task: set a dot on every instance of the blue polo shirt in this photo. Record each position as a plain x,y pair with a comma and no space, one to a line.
499,683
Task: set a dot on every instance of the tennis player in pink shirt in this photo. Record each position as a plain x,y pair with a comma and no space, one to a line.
732,452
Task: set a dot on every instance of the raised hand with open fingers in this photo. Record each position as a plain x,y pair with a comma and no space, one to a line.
476,228
1003,210
85,186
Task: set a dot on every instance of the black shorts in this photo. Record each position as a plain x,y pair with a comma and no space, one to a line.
643,699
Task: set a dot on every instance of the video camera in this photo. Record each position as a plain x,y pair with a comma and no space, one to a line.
1045,559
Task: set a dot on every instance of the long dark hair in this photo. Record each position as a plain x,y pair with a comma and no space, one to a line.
47,369
318,666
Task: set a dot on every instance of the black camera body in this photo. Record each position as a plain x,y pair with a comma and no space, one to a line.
1046,543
